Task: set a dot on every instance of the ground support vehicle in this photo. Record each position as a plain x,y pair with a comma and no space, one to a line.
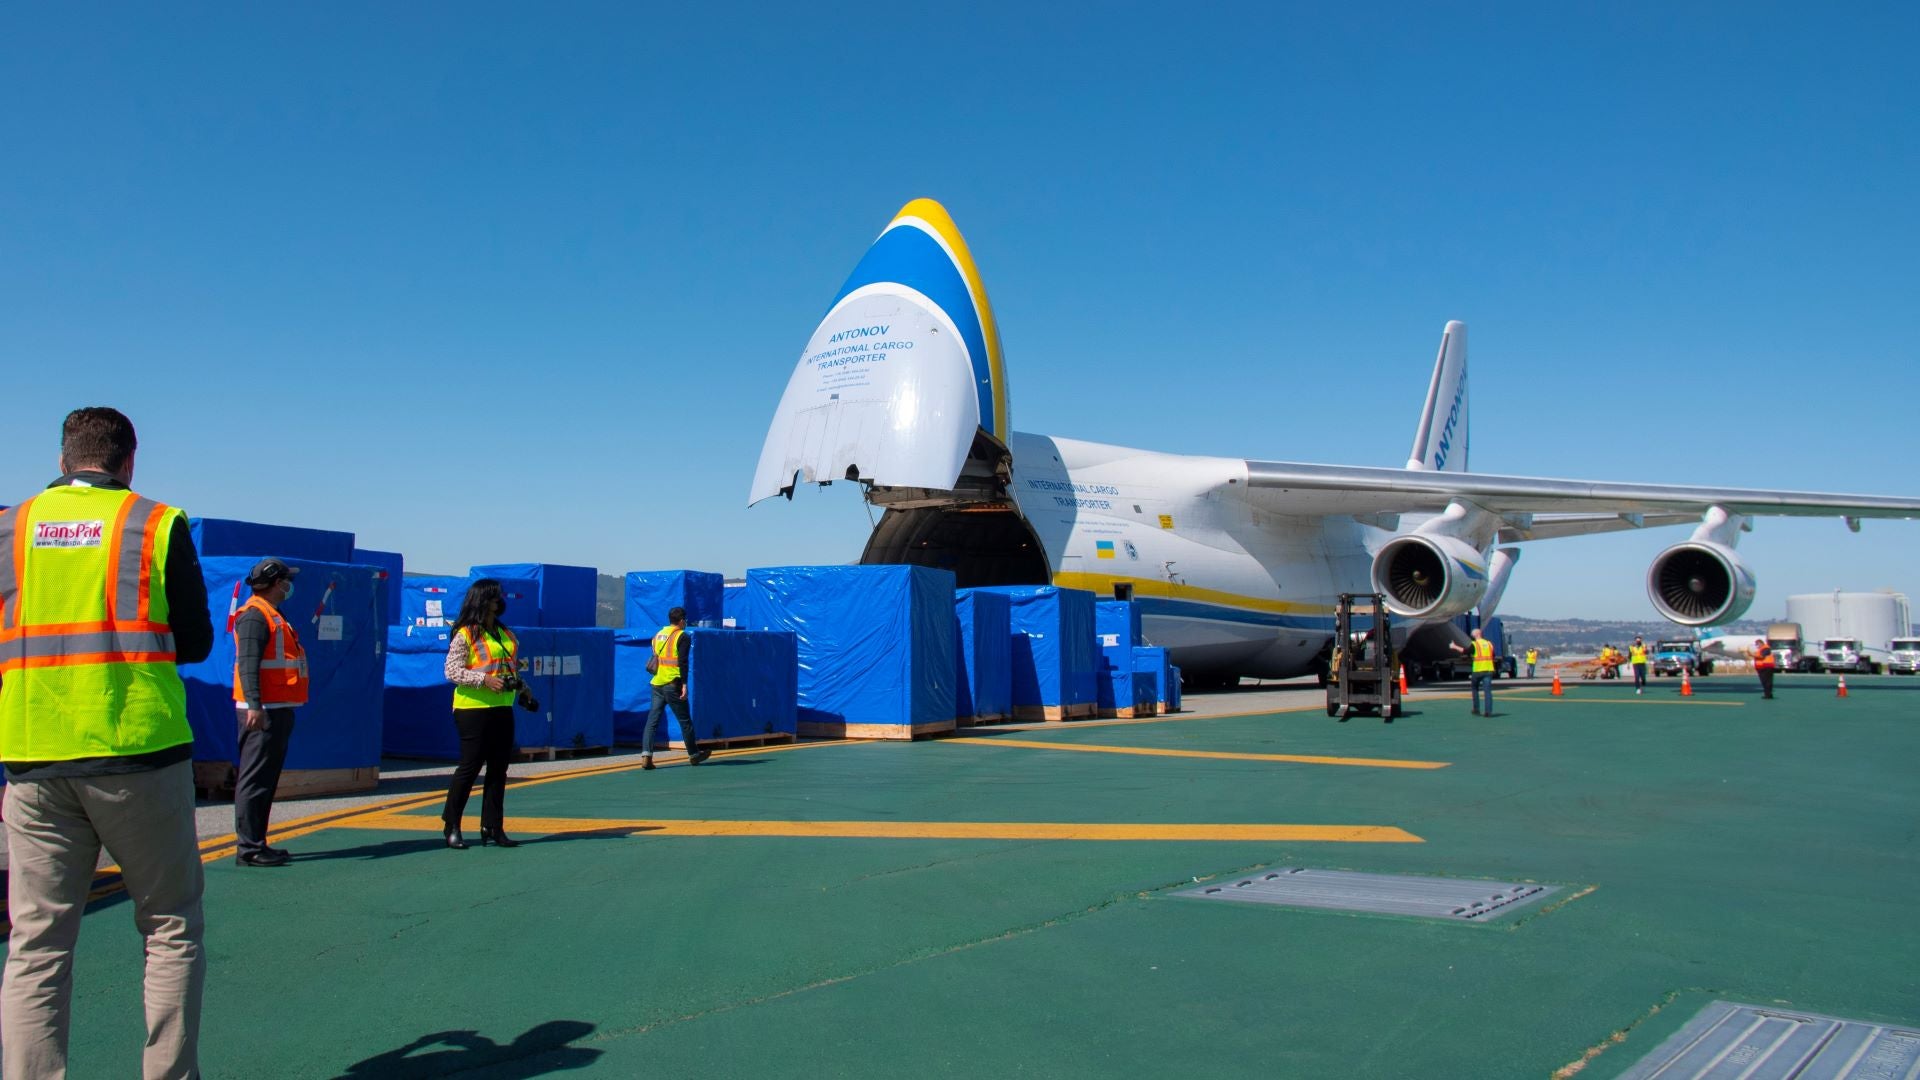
1847,654
1679,657
1904,656
1363,675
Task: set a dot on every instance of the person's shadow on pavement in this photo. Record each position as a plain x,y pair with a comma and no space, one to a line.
538,1051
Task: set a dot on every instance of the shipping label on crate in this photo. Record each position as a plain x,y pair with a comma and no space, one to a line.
570,665
1111,641
436,608
332,627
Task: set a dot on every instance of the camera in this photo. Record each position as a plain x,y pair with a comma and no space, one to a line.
522,695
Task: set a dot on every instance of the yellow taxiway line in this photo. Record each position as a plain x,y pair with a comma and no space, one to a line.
1217,755
1626,701
919,830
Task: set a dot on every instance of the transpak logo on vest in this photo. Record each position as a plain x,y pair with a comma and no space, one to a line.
68,534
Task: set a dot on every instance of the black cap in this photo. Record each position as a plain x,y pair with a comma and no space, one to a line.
268,571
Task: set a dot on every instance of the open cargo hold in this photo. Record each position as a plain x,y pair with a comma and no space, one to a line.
570,671
1166,678
542,594
336,736
650,594
431,601
394,569
1055,662
875,645
743,687
252,539
984,691
418,701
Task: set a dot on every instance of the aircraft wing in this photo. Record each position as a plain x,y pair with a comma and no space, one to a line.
1537,508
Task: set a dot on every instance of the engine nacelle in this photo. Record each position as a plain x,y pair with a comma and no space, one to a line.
1429,577
1700,583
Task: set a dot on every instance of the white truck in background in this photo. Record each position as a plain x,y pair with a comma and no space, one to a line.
1789,649
1906,656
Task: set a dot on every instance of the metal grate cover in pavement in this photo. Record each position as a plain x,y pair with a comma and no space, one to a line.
1754,1042
1458,899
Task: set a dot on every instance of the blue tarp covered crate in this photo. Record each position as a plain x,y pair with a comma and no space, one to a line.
394,571
419,699
650,594
733,607
744,686
1145,695
571,671
542,594
222,536
432,601
984,694
335,610
1117,623
1166,680
1055,661
875,645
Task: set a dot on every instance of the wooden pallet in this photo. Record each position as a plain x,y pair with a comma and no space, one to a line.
559,753
1054,714
214,780
1133,713
902,732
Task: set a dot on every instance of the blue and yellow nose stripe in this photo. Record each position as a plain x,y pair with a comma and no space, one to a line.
923,250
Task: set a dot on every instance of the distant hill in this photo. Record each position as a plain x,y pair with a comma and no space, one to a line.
1585,636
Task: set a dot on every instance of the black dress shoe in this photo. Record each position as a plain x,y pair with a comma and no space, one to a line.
280,851
498,838
698,756
454,840
269,857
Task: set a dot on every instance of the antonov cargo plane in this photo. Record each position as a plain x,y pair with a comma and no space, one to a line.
1236,564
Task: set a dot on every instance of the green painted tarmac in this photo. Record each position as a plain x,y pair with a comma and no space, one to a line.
1717,847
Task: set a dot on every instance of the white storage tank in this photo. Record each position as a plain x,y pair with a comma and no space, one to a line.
1871,618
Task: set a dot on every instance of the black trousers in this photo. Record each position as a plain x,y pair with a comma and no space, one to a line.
1766,680
263,754
486,737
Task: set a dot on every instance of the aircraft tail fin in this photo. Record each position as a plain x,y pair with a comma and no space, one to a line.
1440,442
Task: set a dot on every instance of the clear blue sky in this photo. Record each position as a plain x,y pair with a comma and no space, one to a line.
491,283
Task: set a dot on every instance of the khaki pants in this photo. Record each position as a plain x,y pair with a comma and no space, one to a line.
55,829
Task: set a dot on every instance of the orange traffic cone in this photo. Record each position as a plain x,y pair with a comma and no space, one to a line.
1556,682
1403,678
1686,685
1843,686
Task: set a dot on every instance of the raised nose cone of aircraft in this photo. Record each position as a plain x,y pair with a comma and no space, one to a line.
901,376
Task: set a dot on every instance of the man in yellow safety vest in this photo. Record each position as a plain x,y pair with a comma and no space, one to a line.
1482,678
668,664
1533,656
100,597
1637,656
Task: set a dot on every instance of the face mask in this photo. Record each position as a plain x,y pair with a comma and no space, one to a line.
289,595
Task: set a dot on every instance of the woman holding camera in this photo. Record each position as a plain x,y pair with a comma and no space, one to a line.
483,664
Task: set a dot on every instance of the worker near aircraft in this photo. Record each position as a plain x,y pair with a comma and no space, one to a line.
1637,656
668,664
100,600
269,682
1482,678
1763,665
483,664
1533,656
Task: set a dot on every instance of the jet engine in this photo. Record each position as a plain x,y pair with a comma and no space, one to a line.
1700,583
1430,577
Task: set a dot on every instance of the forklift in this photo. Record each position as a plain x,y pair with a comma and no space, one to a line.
1362,675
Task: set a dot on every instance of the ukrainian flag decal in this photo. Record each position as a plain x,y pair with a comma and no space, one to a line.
1103,549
